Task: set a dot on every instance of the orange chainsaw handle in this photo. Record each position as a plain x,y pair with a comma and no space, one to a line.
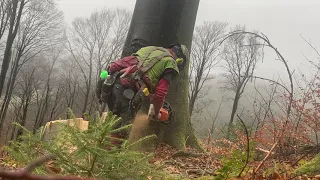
164,115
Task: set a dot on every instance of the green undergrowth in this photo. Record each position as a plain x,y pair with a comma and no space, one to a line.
236,163
84,153
310,168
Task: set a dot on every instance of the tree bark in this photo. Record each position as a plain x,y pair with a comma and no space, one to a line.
13,29
10,87
233,113
7,98
44,104
161,23
25,101
22,121
4,16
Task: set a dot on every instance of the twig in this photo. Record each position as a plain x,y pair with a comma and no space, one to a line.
270,80
25,173
26,176
186,154
309,43
288,111
30,167
266,157
213,121
305,154
263,150
248,145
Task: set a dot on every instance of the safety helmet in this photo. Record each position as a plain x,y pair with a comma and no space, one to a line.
138,43
181,51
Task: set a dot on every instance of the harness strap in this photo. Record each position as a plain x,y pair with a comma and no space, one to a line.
154,61
143,69
147,57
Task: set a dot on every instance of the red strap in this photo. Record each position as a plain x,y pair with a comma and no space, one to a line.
122,63
172,53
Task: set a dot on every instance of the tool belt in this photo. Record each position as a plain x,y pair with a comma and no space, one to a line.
135,95
107,86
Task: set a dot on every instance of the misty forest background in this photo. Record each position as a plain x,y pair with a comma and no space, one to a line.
48,66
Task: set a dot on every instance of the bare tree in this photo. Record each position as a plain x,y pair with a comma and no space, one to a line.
4,16
112,41
290,90
263,106
94,42
37,92
70,84
55,103
204,57
213,119
25,90
306,85
240,57
15,10
40,29
111,45
44,95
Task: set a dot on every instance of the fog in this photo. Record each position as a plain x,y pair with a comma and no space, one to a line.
284,22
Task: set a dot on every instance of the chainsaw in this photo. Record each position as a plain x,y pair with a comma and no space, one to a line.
166,112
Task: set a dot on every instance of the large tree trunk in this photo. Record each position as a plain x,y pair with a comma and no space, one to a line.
161,23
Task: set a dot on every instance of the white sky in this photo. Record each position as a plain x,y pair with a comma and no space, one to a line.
283,21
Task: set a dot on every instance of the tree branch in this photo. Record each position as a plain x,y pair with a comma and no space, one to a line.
25,173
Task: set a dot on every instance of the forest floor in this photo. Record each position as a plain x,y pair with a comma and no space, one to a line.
190,164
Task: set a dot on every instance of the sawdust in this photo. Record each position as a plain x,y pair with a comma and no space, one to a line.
139,126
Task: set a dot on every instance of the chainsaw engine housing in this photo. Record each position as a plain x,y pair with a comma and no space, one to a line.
168,107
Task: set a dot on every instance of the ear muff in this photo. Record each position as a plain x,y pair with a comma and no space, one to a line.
183,55
179,60
180,63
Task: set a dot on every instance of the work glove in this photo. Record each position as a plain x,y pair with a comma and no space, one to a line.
152,114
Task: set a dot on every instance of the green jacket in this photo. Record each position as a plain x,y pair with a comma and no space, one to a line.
147,54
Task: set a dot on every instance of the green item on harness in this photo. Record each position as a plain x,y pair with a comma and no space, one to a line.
104,74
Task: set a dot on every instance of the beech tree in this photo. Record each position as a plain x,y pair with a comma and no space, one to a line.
172,21
240,57
204,57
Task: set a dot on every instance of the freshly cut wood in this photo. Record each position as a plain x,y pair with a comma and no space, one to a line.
53,127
